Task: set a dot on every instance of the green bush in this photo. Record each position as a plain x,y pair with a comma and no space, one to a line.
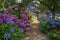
51,30
12,30
14,12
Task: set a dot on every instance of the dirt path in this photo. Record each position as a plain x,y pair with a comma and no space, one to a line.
34,33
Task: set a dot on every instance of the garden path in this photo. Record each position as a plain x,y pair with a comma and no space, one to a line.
34,33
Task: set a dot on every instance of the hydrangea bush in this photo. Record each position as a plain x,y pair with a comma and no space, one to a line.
13,19
12,28
52,28
11,32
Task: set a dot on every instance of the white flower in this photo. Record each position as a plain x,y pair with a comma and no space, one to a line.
18,1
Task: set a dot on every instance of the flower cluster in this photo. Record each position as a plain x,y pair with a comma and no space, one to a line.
53,24
8,35
11,32
7,18
24,22
12,19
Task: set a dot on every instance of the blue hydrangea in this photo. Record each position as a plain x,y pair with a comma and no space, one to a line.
57,23
54,26
22,24
7,35
41,21
6,19
10,22
48,27
27,28
11,29
51,22
47,17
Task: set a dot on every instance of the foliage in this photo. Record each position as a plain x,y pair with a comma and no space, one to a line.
13,30
50,4
51,28
24,3
2,2
13,19
14,12
42,7
31,18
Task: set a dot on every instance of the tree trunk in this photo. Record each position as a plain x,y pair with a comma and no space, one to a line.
53,14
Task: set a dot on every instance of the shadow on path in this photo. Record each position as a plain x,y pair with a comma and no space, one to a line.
34,33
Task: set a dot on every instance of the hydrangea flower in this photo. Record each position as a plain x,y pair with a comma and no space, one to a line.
7,35
24,16
52,22
47,17
13,19
11,29
48,27
1,21
10,22
57,23
22,24
1,15
27,28
15,6
6,19
41,21
54,26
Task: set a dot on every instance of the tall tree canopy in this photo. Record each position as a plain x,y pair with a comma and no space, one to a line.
24,3
51,5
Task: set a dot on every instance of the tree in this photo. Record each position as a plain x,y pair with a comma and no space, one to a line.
24,3
51,5
2,2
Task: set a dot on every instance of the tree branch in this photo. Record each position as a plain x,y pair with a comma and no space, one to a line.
44,3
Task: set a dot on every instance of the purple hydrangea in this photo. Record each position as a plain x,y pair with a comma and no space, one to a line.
6,19
27,28
1,21
10,22
15,6
11,29
7,35
22,24
1,14
48,27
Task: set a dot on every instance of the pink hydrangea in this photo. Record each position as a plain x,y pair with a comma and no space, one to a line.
15,6
1,21
24,16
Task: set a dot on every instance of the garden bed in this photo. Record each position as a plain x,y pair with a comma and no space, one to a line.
51,28
11,32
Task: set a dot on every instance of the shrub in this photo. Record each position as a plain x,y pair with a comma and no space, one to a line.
10,32
12,19
51,28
